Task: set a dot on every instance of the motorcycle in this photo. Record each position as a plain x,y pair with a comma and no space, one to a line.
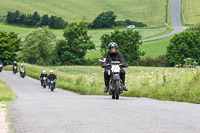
51,85
44,82
15,70
1,67
115,83
22,74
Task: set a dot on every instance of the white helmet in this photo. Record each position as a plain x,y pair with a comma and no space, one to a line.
51,71
44,72
15,62
22,65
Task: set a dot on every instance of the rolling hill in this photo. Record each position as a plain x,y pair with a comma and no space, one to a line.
150,12
191,11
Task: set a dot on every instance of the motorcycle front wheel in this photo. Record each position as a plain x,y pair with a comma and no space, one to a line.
117,91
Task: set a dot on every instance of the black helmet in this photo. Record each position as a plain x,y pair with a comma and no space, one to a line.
112,45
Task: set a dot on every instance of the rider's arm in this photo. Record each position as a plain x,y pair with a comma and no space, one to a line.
103,65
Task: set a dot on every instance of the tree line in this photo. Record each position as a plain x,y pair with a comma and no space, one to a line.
103,20
35,20
41,47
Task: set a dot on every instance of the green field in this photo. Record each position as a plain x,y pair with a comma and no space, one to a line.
175,84
191,11
150,12
6,93
96,34
152,49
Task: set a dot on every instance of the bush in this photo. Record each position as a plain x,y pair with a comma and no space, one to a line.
128,44
160,61
9,45
77,41
128,22
39,47
184,45
104,20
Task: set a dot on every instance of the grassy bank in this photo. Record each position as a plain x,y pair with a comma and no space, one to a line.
6,93
190,12
174,84
150,12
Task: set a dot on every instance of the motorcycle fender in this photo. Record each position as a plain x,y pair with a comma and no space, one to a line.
116,77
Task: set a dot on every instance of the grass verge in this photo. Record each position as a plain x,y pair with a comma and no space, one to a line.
6,93
171,84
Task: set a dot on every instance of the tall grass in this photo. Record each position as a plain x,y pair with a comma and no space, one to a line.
6,93
174,84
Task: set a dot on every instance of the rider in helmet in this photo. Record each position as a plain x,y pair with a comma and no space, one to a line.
52,77
15,65
113,55
43,74
1,63
22,67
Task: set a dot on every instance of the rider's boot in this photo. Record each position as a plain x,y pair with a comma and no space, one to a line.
124,87
106,86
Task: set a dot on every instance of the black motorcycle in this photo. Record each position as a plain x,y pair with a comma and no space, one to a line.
51,85
15,69
22,74
1,67
115,83
44,82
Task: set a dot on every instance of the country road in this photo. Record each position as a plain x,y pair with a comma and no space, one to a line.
176,21
37,110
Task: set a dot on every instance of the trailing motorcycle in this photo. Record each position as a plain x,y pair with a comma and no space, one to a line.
15,69
115,83
44,82
1,67
22,74
52,85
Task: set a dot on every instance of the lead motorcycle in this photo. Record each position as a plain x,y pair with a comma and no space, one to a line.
52,85
115,83
44,82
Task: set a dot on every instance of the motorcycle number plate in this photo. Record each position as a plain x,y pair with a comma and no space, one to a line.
108,72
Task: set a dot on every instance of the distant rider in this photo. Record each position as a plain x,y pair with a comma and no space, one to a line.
52,77
15,65
22,68
43,74
1,63
113,55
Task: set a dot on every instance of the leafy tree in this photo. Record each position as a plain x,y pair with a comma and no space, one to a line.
39,47
52,22
77,41
128,44
104,20
35,19
9,45
10,17
21,19
44,20
184,45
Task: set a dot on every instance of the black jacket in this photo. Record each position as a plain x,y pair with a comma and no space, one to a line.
108,57
15,64
43,75
52,77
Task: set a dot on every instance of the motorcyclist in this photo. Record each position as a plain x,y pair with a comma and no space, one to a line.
113,55
43,74
22,68
15,65
52,77
1,63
